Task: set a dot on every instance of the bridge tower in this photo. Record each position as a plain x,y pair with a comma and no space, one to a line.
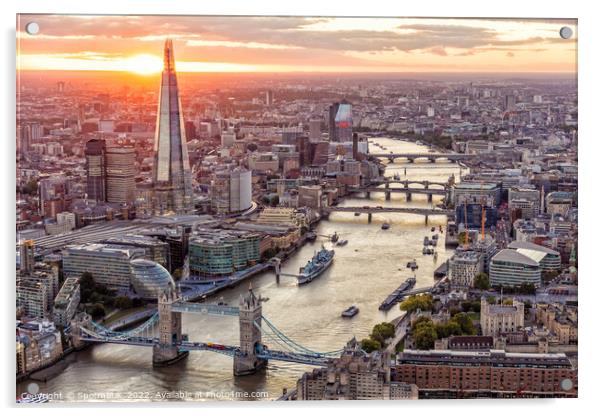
247,361
167,352
81,320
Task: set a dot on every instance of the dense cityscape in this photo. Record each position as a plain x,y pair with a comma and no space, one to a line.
353,236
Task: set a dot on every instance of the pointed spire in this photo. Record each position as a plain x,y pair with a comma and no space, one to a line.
168,56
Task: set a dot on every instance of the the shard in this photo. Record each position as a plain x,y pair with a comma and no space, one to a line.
172,184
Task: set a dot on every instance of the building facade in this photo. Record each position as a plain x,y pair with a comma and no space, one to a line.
109,264
497,319
120,174
96,169
495,373
463,267
171,169
66,302
511,268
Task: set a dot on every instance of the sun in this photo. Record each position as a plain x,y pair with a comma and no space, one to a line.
143,64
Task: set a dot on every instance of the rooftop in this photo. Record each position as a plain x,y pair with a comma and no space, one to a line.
518,245
514,256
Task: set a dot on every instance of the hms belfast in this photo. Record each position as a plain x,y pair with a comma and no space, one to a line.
172,183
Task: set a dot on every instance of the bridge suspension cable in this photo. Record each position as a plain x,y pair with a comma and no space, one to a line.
148,324
296,346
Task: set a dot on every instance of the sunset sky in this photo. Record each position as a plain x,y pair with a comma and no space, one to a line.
290,44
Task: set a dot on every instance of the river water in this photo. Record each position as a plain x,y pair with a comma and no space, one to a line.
364,272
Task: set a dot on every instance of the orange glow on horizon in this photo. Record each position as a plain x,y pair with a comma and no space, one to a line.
142,64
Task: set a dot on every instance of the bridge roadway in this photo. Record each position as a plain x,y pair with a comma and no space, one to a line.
399,190
229,350
430,156
376,210
408,182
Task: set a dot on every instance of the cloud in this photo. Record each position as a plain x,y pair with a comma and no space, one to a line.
285,40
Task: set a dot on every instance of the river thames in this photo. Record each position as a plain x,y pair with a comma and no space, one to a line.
364,272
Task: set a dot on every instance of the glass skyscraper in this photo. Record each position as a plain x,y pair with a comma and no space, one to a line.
171,170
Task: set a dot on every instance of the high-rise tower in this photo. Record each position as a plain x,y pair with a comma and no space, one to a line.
172,181
96,169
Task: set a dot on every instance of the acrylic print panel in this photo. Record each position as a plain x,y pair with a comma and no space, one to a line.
296,208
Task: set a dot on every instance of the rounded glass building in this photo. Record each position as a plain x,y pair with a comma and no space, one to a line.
149,279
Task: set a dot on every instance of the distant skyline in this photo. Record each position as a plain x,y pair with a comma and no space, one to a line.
296,44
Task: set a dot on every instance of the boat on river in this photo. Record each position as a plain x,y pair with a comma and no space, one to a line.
321,261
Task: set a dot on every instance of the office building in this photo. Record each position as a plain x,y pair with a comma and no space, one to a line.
32,297
218,253
476,191
310,196
269,98
171,168
228,138
109,264
66,302
263,162
26,256
470,210
486,248
149,279
231,191
95,153
549,260
155,249
441,374
120,174
509,102
559,203
499,319
343,123
511,268
463,266
528,200
315,129
65,222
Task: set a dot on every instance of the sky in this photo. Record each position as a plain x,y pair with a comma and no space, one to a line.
295,44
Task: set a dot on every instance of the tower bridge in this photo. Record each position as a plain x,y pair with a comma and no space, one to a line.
171,345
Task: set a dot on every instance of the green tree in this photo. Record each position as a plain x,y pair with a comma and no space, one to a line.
481,281
448,329
382,331
423,302
465,323
425,336
369,345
